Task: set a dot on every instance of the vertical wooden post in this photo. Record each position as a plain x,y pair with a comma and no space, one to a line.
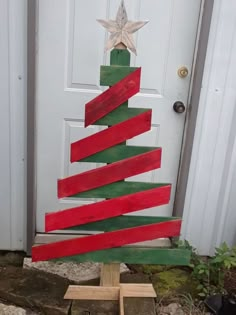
110,273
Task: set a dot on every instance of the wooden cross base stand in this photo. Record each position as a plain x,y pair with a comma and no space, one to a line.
110,288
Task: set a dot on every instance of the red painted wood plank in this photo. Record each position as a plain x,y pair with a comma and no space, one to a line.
112,98
109,174
107,208
111,136
106,240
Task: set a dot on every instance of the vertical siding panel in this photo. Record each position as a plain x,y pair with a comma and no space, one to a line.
209,177
12,128
18,83
5,204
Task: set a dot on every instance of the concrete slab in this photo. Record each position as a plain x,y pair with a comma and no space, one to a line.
75,272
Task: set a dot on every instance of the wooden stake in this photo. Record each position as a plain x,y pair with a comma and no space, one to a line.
110,275
121,300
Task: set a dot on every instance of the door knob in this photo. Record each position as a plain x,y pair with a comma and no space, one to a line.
179,107
183,72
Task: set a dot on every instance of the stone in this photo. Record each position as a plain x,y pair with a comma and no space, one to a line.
35,290
11,310
173,282
6,309
78,272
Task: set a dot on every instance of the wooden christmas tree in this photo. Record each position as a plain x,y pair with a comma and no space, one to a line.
122,197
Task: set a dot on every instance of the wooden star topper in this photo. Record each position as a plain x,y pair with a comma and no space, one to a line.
122,29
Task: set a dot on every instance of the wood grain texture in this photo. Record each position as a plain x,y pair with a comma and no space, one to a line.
75,292
110,275
120,57
117,189
121,302
107,209
112,98
119,114
106,240
117,223
48,238
117,153
110,75
106,293
110,173
135,255
111,136
137,290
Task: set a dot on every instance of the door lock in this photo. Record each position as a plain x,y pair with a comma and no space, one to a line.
179,107
183,72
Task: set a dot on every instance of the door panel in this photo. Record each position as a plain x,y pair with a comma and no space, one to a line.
70,51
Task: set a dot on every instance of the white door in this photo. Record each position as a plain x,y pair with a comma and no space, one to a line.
70,50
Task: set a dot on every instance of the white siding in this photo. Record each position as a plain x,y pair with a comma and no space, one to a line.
12,126
210,205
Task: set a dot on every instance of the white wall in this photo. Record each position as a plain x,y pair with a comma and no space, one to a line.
12,127
210,205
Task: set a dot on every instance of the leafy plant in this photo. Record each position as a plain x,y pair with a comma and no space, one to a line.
210,272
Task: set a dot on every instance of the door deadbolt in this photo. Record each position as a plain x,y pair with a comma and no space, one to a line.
179,107
183,72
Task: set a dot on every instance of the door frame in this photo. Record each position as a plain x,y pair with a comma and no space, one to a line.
194,96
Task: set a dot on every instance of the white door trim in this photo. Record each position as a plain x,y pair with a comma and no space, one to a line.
194,97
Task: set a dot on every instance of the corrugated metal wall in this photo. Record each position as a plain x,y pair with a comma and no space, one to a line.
12,127
210,205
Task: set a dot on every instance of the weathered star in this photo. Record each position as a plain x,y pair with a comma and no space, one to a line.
122,29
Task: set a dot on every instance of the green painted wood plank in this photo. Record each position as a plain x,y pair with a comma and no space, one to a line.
120,114
117,153
135,255
121,222
120,57
117,189
110,75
